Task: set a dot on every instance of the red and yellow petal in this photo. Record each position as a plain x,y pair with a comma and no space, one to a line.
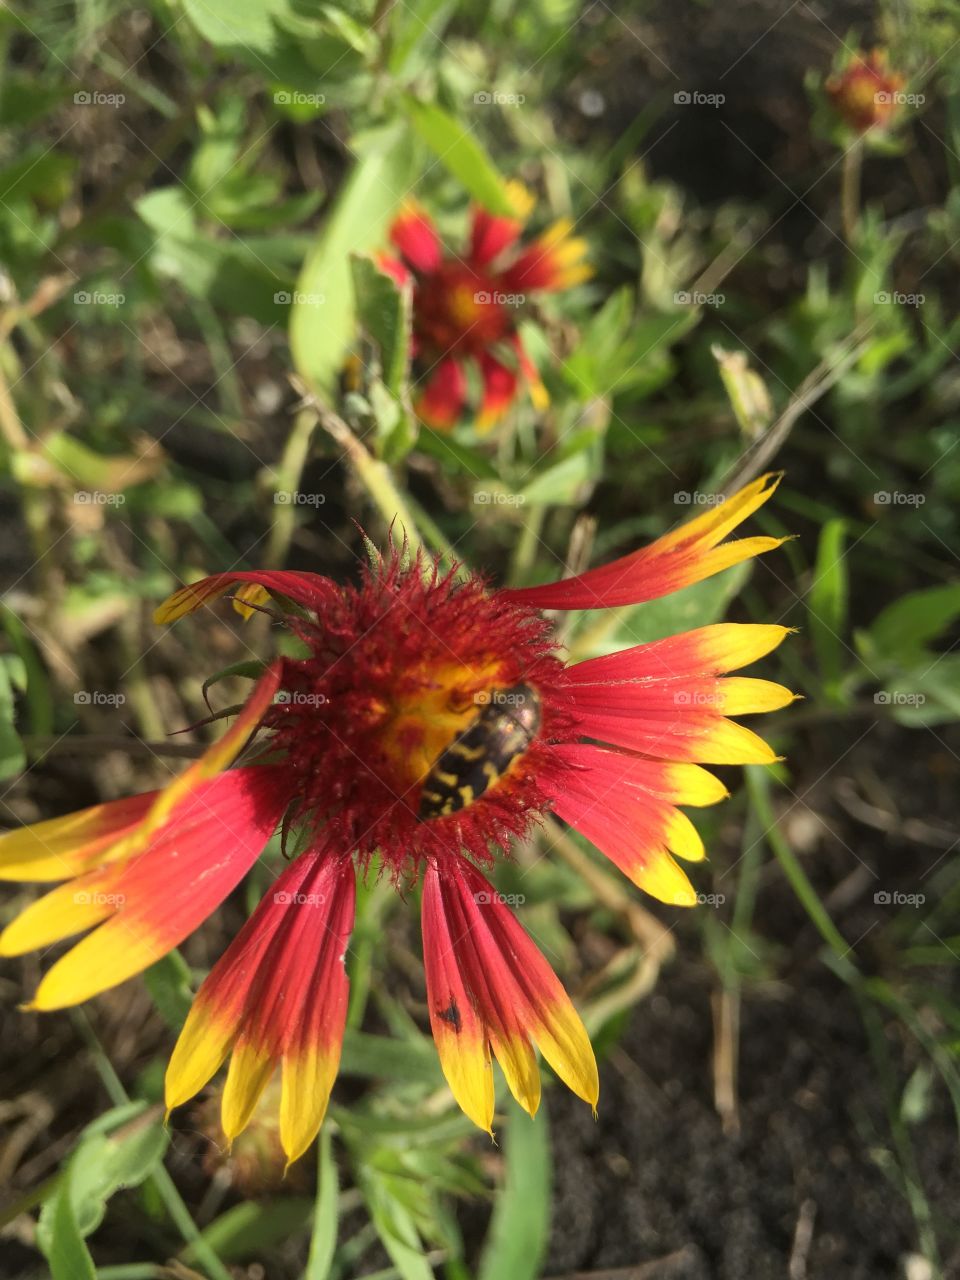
311,590
277,997
159,897
441,402
499,390
60,848
491,234
414,234
555,260
680,558
626,806
486,977
667,700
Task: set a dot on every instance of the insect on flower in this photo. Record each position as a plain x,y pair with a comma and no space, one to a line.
466,307
428,722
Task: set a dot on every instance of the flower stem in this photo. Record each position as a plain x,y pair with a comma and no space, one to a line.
850,190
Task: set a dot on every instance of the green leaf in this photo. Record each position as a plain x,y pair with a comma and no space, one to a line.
389,1058
248,1229
458,150
565,483
238,23
13,758
101,1164
384,310
827,605
910,623
322,320
520,1226
323,1239
171,990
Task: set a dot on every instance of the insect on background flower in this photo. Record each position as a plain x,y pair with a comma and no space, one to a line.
427,724
466,308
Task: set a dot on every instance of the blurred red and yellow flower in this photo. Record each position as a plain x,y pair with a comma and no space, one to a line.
866,93
430,721
466,307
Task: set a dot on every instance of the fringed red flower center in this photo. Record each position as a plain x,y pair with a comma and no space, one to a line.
421,719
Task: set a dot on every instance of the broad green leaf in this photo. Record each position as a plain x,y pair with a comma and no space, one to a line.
519,1229
927,694
459,151
238,23
913,621
827,603
101,1164
322,319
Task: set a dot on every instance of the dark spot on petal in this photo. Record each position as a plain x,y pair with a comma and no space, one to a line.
451,1015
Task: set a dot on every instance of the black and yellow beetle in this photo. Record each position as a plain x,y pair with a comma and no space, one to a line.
483,752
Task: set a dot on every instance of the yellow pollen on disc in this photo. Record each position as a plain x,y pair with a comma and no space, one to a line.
432,710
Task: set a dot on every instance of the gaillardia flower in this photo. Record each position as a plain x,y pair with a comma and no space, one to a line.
466,308
865,94
428,722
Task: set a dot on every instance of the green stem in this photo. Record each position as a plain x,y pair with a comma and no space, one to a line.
288,476
163,1184
758,786
850,191
525,553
